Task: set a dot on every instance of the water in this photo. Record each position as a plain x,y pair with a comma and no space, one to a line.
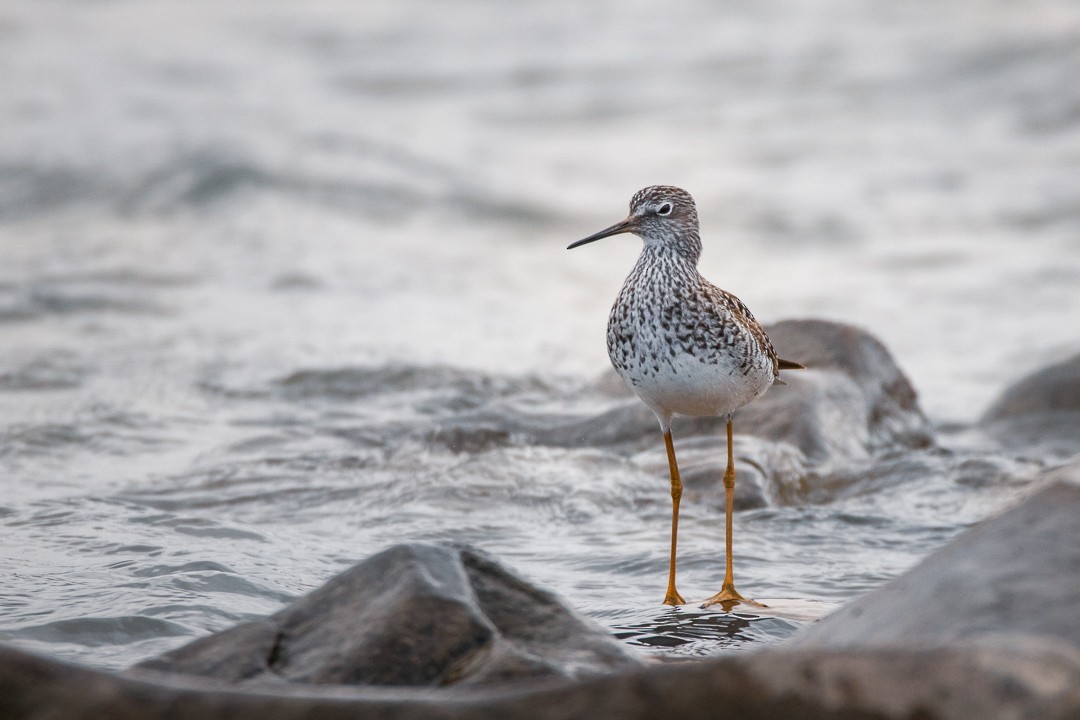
260,262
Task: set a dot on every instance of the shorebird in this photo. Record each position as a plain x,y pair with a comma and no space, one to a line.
683,345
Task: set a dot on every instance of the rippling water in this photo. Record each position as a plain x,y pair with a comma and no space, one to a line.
282,287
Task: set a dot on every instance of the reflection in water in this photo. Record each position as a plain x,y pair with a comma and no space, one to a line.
681,632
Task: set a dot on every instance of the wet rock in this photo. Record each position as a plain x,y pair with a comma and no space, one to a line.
769,473
853,400
1053,389
412,615
1039,415
851,406
1030,681
1014,575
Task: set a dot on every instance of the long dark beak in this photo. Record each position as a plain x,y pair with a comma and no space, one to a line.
618,228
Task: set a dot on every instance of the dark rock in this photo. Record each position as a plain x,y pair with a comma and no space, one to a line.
1054,389
412,615
1014,574
1027,681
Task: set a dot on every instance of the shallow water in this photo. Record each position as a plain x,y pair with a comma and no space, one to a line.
259,262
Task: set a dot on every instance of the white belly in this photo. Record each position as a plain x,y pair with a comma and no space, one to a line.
686,386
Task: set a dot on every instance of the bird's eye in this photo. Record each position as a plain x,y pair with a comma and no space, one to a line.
664,209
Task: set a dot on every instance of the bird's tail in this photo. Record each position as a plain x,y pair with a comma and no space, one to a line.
783,364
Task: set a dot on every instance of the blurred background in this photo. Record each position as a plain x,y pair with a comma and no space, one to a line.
251,249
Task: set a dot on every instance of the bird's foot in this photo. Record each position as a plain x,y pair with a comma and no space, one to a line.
673,597
728,598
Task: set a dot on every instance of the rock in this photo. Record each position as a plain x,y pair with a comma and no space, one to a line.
411,615
851,406
1039,415
853,400
1032,680
769,473
1036,682
1052,389
1017,574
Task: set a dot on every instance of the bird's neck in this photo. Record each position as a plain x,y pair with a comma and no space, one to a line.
682,253
684,247
664,264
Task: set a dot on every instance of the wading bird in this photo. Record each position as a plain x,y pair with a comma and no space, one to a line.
683,345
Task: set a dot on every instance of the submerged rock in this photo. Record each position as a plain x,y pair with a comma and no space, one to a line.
411,615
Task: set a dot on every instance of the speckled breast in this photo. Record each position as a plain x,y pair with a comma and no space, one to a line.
682,355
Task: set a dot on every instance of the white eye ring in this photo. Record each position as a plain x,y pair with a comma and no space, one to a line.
664,209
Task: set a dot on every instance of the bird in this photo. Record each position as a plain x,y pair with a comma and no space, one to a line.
684,346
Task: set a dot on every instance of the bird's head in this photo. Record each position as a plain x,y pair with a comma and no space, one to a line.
661,215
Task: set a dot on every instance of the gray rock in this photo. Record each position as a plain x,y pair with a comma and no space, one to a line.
852,400
411,615
1053,389
1023,680
1039,415
851,406
769,473
1036,682
1017,574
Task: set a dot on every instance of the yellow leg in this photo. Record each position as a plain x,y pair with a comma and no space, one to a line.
729,597
673,597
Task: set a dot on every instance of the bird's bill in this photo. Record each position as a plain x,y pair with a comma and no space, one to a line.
618,228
